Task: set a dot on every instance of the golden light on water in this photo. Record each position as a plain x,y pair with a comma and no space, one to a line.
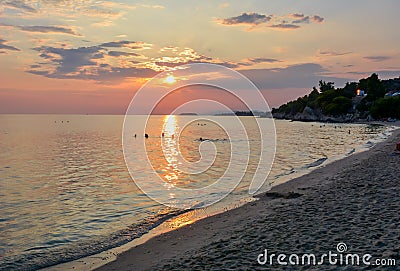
170,149
170,125
181,220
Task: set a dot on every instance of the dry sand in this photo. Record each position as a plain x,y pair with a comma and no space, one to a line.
355,200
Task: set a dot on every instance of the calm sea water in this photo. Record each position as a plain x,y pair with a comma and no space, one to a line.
65,191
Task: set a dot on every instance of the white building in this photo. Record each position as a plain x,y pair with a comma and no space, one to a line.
360,92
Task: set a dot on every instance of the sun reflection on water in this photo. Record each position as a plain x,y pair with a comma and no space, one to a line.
170,150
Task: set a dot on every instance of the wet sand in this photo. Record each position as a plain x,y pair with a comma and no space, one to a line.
355,200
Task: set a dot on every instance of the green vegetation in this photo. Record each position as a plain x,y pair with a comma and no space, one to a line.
328,101
386,108
373,86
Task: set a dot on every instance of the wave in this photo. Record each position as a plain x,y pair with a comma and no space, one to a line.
44,256
315,163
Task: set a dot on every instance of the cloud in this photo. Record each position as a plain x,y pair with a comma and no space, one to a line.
303,20
295,76
85,63
119,54
18,5
105,76
169,48
70,60
171,63
246,18
43,29
152,6
48,29
101,12
127,44
285,26
199,60
94,62
103,23
68,8
188,56
377,58
285,22
4,46
295,24
297,15
317,19
263,60
333,53
98,63
383,74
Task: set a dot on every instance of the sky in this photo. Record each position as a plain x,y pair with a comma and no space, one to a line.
91,57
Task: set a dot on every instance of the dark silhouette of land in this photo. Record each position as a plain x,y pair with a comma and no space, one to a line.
366,100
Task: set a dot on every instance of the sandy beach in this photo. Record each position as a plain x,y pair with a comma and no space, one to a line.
354,201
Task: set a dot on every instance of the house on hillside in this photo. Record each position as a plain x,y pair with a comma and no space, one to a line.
360,92
393,93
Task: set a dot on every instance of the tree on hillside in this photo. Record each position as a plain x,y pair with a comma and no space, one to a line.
339,106
350,89
386,108
373,86
324,86
312,99
332,102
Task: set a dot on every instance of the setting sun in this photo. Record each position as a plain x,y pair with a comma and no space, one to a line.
170,79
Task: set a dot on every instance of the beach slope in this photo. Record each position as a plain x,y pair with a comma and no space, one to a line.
355,201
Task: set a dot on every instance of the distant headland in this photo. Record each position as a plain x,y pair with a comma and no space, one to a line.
188,114
246,114
367,100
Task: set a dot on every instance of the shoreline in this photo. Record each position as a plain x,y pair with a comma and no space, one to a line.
98,260
178,249
103,260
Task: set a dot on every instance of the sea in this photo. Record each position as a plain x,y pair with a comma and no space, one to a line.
66,191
